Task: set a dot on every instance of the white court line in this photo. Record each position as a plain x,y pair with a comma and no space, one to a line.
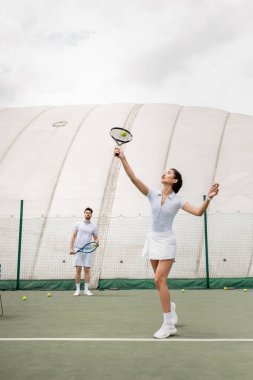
127,340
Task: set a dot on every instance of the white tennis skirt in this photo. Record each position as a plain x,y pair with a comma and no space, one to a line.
160,246
83,260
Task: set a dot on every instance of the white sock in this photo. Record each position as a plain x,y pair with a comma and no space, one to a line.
86,286
78,287
167,317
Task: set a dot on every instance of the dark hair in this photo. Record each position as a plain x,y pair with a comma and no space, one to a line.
89,209
177,186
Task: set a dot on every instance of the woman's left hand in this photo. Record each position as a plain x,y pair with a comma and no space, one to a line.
213,191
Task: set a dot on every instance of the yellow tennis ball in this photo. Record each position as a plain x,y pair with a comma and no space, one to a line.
123,133
182,290
24,298
49,294
225,288
245,290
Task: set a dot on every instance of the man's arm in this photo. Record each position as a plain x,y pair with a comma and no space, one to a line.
96,239
72,241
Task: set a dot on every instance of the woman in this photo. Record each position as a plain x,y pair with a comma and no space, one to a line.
160,246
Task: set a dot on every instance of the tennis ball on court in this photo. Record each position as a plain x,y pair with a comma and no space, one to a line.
182,290
245,290
24,298
49,294
123,133
225,288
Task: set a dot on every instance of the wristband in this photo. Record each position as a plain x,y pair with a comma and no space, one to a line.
208,199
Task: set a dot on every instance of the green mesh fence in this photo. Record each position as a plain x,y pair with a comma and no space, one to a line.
45,263
230,245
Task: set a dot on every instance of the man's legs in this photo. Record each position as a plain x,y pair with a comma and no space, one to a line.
78,280
87,281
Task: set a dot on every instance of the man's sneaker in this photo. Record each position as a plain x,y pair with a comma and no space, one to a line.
174,314
165,331
77,293
87,293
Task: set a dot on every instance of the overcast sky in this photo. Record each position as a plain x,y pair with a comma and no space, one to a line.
189,52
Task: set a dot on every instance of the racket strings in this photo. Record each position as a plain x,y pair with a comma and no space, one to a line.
121,135
90,247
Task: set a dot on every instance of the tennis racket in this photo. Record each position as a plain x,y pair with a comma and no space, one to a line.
88,248
120,136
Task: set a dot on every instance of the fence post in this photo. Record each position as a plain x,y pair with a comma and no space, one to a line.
206,247
19,242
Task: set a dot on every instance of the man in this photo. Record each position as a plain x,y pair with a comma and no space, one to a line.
84,232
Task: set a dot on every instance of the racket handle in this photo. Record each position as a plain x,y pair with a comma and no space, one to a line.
117,154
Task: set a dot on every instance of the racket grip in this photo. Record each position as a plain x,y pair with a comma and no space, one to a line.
117,154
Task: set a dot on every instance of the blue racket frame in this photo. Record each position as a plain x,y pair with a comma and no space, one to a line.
85,249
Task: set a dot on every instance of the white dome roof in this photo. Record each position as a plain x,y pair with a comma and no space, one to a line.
62,169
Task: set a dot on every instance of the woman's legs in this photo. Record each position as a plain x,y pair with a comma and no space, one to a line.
162,269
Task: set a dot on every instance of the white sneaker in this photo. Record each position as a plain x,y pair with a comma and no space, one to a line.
87,293
165,331
77,293
174,314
